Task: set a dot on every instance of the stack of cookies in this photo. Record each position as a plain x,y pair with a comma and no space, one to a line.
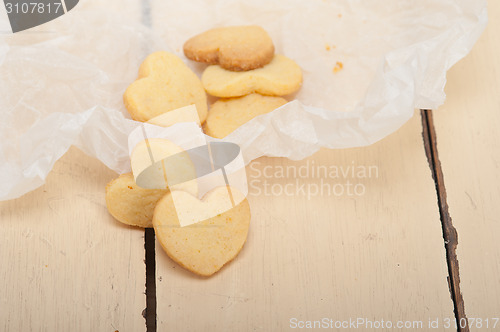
244,72
249,79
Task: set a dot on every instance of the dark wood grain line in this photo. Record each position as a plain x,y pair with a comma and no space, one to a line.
150,260
450,234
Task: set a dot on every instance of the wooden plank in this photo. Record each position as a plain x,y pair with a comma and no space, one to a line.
467,140
67,265
375,253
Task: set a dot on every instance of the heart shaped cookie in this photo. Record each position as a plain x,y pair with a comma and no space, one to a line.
234,48
280,77
131,204
203,247
164,84
226,115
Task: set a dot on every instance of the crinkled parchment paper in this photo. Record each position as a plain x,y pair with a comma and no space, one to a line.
61,83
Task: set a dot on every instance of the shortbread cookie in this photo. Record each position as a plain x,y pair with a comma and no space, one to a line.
164,84
226,115
204,247
280,77
234,48
131,204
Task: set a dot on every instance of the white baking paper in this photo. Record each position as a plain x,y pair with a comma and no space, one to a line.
61,83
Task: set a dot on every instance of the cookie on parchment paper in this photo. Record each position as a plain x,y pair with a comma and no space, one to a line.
226,115
236,48
282,76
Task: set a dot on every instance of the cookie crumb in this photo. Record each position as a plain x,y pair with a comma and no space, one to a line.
327,47
338,67
339,15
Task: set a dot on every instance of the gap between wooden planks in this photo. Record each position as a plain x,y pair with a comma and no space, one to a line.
449,232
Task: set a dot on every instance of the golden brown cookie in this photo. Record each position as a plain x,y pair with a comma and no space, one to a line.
164,84
282,76
206,246
131,204
236,48
226,115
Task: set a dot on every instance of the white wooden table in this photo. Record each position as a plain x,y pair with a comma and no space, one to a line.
419,243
